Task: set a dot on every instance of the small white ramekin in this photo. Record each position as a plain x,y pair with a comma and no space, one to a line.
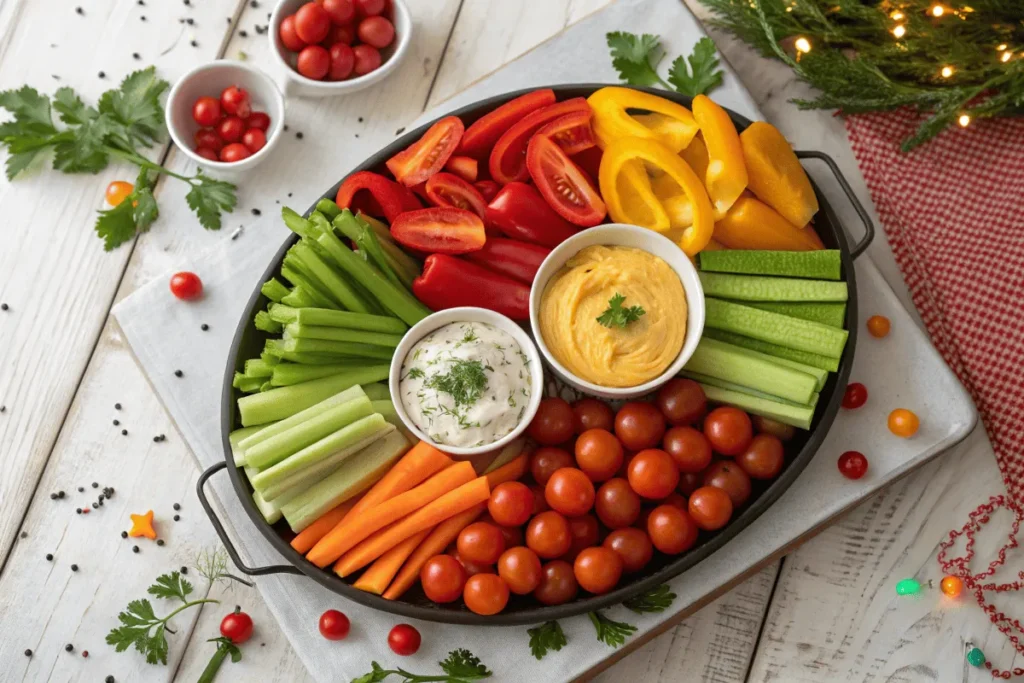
469,314
618,234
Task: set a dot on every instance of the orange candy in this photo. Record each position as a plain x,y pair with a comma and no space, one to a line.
775,174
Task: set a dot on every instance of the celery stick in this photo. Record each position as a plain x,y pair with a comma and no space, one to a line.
337,348
798,416
813,359
287,374
335,283
264,322
235,438
266,386
271,511
731,386
274,290
351,321
377,392
280,446
270,431
792,333
833,314
275,348
297,224
245,384
283,402
320,221
386,408
312,289
354,476
298,298
762,288
328,208
285,314
377,225
255,367
366,239
272,481
269,359
301,331
406,266
824,264
732,364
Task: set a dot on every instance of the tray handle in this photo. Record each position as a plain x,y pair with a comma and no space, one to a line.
222,532
869,226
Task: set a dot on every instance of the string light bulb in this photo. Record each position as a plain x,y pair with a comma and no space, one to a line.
802,45
1001,47
896,16
947,71
1005,57
937,10
964,120
900,30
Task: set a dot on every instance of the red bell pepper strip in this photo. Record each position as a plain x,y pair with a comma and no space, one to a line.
480,137
508,158
375,195
519,260
448,282
521,213
487,189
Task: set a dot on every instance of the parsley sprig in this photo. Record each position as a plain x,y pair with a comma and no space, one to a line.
636,59
461,666
124,120
611,632
617,316
547,636
658,599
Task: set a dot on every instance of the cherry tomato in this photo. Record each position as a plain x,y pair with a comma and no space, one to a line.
376,31
590,413
118,191
675,499
539,503
617,505
289,38
572,132
633,546
230,129
520,569
312,23
731,478
763,458
570,492
314,62
473,568
672,530
853,464
343,60
557,583
443,578
254,139
481,542
258,120
466,168
439,230
404,640
728,430
903,422
855,396
639,425
599,454
208,137
548,535
765,425
206,111
563,184
235,101
341,34
186,286
689,482
367,59
428,155
236,627
598,569
513,535
486,594
207,153
585,532
511,503
878,326
682,401
448,189
546,461
334,625
369,8
341,12
553,423
653,474
689,448
236,151
710,507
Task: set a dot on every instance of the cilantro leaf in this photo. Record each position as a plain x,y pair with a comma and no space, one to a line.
144,208
71,108
703,73
463,665
376,674
635,57
611,632
547,636
135,105
137,628
171,585
208,198
31,114
116,226
617,316
658,599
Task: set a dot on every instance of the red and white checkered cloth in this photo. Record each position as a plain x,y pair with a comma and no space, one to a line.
953,211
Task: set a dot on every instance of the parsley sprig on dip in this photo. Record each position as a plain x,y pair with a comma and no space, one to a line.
618,316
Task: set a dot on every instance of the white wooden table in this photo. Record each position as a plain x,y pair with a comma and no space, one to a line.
827,611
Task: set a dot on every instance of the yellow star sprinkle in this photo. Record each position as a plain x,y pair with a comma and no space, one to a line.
142,525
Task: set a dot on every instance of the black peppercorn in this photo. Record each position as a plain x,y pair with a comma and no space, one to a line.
4,307
176,518
135,548
243,34
360,119
69,647
136,55
159,541
60,494
204,327
95,485
81,489
253,4
190,21
79,10
117,423
96,506
49,557
142,18
124,534
156,439
110,679
177,506
117,406
299,135
285,130
24,534
53,496
28,653
124,432
78,511
193,43
74,567
179,373
102,75
184,570
256,212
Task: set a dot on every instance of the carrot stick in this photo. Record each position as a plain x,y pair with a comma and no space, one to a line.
434,544
422,461
435,512
511,471
348,533
377,577
309,536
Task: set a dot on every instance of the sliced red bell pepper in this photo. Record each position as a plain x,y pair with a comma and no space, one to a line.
521,213
448,282
375,195
508,158
485,131
519,260
442,230
487,189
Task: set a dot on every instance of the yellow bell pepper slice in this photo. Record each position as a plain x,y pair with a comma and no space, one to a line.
696,155
637,203
621,158
752,224
726,177
677,206
775,174
612,119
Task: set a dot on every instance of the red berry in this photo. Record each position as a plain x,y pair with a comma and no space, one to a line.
855,396
404,640
334,625
853,465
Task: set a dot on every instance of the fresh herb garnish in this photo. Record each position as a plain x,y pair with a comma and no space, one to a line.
611,632
461,666
125,119
636,59
465,382
224,648
617,316
547,636
658,599
415,373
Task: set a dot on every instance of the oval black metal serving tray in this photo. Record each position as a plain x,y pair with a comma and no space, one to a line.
524,610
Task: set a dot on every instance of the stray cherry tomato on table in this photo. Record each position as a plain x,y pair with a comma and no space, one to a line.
710,507
639,425
617,505
486,594
597,569
231,129
548,535
376,31
590,413
481,542
511,503
341,12
254,139
314,62
878,326
763,458
289,38
367,59
585,532
689,448
557,583
553,423
731,478
206,111
633,546
369,8
236,151
599,454
343,60
855,396
443,578
653,474
334,625
118,191
853,464
682,401
404,640
903,423
548,460
235,101
671,530
520,569
236,627
729,430
186,286
312,23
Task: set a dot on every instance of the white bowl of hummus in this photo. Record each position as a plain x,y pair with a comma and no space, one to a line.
617,310
466,380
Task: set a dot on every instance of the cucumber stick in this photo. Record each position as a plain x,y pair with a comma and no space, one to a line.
277,404
261,434
831,314
824,264
733,364
798,416
293,440
287,374
302,331
761,288
781,352
722,384
792,333
820,375
235,438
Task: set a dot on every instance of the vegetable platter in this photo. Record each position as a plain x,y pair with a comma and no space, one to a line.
335,436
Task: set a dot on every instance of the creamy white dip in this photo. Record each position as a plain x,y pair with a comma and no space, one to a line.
466,384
